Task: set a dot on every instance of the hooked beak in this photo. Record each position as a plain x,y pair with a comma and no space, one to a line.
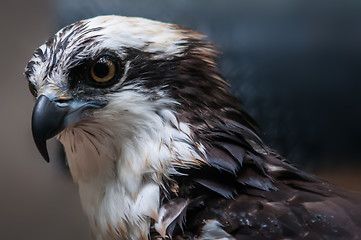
50,117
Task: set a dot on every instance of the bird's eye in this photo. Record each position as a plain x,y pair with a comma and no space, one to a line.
104,70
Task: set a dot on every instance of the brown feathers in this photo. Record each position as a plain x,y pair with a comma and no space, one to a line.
252,192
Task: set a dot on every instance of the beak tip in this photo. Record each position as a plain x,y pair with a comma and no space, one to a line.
41,145
46,157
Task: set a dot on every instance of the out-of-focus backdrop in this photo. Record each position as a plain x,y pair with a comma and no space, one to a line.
296,66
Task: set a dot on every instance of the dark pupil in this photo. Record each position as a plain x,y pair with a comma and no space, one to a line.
101,70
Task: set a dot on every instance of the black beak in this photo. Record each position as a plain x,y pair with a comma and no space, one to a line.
47,121
51,116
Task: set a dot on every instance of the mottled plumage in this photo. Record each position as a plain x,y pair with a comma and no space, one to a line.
162,149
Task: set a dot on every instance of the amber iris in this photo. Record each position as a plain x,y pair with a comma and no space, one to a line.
103,70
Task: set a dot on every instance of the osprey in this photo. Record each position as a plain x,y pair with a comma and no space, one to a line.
160,149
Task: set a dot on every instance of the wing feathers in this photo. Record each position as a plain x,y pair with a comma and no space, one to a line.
170,214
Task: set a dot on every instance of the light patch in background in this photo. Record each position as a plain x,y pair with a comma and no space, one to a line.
37,200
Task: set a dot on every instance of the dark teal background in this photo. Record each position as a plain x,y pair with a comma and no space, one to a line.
296,65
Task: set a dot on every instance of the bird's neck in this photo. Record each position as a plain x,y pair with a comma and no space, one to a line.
120,170
114,212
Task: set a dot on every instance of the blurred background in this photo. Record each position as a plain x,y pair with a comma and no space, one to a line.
295,65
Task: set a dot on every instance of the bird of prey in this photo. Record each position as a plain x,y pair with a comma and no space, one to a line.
160,149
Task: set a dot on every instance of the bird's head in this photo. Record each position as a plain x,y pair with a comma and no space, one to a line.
126,73
118,65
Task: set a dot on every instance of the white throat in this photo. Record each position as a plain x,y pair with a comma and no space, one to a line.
119,159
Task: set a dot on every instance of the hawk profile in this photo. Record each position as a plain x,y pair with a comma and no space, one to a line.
160,149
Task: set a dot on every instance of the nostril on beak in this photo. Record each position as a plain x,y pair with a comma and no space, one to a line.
62,100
